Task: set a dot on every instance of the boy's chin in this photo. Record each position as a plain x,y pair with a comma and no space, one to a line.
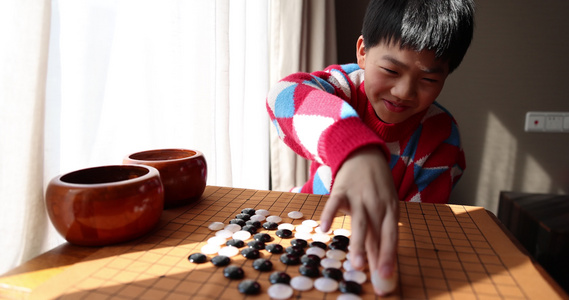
394,118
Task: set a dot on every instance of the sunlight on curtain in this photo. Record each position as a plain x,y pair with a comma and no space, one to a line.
24,27
127,76
145,74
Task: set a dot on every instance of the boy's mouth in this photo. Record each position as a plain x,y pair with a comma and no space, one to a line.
394,106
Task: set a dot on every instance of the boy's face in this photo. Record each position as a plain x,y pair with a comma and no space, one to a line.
400,82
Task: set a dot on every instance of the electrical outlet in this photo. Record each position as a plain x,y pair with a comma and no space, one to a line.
540,121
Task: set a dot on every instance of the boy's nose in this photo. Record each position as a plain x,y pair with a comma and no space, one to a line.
404,89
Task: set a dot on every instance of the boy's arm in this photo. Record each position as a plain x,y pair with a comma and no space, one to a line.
313,118
313,115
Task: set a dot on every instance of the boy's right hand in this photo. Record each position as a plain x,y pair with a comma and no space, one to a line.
364,188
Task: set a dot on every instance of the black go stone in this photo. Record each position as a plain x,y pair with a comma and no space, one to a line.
262,237
256,245
197,258
252,229
284,233
244,217
350,287
249,211
310,260
235,243
270,225
250,253
233,272
299,242
220,261
249,287
309,271
290,259
262,264
279,277
253,223
274,248
338,246
239,222
295,250
319,245
333,273
341,238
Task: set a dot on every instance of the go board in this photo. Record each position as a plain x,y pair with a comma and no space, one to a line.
444,252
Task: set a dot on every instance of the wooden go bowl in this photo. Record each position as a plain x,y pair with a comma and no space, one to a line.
105,205
183,173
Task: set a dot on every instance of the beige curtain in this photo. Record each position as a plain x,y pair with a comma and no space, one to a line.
302,38
24,32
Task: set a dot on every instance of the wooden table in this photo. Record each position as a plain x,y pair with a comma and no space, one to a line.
445,251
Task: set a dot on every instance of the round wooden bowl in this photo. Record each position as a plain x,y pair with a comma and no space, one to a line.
105,205
183,173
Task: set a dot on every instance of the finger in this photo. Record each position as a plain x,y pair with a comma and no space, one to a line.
388,248
329,212
372,249
384,277
359,232
375,211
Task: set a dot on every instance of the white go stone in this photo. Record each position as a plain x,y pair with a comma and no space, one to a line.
303,228
336,254
355,275
288,226
342,231
262,212
303,235
233,227
257,218
241,235
295,215
216,226
316,251
326,285
310,223
321,237
228,251
301,283
319,230
224,233
280,291
217,240
210,249
349,297
385,285
330,263
275,219
347,266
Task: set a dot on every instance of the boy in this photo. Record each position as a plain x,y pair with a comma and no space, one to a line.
373,131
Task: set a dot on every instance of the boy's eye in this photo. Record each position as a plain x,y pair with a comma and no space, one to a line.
389,71
431,80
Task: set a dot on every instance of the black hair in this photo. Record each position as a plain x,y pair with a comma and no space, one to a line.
443,26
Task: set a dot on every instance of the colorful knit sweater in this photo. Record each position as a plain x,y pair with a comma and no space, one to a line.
324,116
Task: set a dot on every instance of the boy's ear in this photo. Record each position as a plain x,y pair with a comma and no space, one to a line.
361,52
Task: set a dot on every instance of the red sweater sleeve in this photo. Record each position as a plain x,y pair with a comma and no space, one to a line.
314,115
